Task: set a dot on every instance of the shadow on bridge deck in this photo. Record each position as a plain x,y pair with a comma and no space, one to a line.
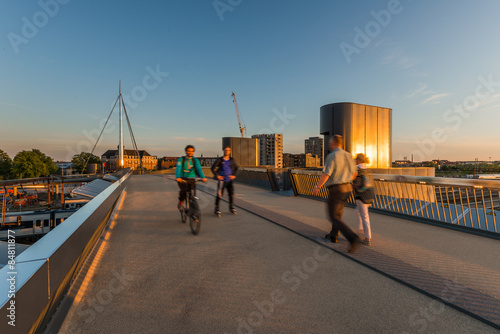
243,274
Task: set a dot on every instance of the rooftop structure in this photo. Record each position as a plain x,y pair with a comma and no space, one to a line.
366,129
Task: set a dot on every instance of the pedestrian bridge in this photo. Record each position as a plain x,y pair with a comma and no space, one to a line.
265,270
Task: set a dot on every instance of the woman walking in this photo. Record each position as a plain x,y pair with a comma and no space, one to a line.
364,195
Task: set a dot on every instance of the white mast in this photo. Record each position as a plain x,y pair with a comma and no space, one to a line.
120,148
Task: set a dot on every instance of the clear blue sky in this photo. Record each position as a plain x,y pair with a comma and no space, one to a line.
435,63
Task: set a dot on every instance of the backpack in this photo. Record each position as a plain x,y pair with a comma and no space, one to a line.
184,162
363,186
363,181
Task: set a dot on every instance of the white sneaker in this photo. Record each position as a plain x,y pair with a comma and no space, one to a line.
365,242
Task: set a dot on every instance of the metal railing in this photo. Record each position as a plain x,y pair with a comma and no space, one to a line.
274,179
469,203
39,277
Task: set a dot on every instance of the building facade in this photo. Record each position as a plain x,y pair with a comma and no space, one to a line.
67,168
270,149
130,160
168,162
288,160
315,146
307,160
302,160
207,161
245,151
366,129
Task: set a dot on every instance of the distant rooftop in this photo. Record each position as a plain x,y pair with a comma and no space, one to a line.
114,153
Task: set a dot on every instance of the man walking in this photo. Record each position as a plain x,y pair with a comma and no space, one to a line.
225,169
337,175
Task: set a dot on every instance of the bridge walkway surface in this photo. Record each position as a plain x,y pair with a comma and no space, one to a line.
268,270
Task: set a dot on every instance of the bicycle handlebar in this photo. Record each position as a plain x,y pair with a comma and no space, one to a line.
192,178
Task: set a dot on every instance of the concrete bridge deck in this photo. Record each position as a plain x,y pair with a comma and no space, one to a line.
245,274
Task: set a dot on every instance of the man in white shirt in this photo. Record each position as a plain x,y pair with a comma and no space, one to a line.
337,176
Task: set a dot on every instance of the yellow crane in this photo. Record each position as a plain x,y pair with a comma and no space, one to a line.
242,129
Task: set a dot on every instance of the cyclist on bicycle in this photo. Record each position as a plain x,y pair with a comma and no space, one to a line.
187,166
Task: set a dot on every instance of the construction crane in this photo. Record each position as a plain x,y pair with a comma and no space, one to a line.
242,129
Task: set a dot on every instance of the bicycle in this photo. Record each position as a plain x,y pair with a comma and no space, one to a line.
190,206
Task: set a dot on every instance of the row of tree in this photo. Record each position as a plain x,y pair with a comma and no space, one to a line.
34,163
494,167
26,164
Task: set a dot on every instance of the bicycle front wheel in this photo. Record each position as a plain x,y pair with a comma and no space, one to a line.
195,219
184,213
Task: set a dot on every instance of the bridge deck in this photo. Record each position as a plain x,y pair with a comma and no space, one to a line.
244,274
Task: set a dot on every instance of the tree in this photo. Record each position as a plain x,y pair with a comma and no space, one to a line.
80,161
429,164
34,163
50,165
5,166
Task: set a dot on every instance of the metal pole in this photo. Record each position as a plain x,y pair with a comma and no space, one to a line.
48,192
120,155
4,204
62,192
493,210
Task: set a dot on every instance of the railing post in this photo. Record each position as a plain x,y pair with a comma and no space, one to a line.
294,183
272,180
62,192
48,192
4,204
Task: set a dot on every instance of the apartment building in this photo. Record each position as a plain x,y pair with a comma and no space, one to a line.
270,149
315,146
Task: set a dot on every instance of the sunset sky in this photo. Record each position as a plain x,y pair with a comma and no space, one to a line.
435,63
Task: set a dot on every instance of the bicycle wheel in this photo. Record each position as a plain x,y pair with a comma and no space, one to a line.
184,212
195,218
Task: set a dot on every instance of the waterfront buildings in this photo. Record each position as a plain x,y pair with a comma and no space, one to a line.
130,159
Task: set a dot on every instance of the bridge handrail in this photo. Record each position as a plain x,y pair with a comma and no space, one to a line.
44,271
431,180
470,204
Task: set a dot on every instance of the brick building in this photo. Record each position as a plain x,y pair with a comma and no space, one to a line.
130,159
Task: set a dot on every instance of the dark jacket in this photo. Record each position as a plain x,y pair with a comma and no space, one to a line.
216,167
363,186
